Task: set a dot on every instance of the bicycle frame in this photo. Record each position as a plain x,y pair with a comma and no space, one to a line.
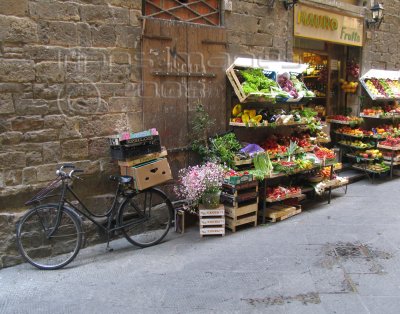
109,214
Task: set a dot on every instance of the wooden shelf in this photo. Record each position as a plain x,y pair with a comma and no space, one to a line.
290,196
395,148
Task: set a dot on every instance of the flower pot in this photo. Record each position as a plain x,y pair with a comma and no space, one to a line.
211,199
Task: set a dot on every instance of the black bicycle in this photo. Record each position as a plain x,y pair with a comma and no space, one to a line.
49,236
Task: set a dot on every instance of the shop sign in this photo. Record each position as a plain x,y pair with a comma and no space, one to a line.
324,25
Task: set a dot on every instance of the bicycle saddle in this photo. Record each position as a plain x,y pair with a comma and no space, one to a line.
122,179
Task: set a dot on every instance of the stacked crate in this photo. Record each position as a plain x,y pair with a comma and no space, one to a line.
141,157
212,221
241,204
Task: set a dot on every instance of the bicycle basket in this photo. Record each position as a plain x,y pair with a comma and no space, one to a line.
45,193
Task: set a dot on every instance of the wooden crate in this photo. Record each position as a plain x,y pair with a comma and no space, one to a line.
212,221
235,217
281,212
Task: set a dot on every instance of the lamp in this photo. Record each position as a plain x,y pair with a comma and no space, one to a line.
289,3
377,15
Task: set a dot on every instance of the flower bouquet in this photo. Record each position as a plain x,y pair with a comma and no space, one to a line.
201,183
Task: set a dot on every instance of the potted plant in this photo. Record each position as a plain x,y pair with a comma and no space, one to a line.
201,184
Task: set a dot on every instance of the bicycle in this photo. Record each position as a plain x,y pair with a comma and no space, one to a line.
49,236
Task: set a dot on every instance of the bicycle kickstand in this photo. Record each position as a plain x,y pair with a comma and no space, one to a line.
108,248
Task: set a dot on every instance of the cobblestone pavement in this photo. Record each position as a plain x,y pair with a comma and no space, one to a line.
337,258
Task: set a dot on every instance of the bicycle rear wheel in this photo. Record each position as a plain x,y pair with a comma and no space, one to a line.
147,217
43,250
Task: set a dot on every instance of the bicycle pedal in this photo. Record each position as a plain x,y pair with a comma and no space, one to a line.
109,249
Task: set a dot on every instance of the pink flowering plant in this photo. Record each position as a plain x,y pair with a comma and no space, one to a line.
197,180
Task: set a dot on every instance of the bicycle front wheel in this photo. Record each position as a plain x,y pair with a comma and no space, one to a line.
146,217
43,247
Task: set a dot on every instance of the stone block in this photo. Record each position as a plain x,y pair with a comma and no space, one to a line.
29,175
135,4
27,123
104,125
242,23
54,10
122,56
41,136
34,158
104,14
54,121
12,177
124,104
84,35
111,89
17,30
57,33
51,152
263,40
50,72
49,91
85,72
103,36
6,104
47,53
116,73
134,16
12,7
98,148
87,106
70,129
127,36
135,121
46,172
75,90
89,167
75,149
11,160
17,70
10,138
31,107
13,87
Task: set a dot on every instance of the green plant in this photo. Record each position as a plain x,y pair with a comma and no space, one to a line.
200,132
312,123
223,149
262,166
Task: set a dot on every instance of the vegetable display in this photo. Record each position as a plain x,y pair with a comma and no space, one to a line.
256,81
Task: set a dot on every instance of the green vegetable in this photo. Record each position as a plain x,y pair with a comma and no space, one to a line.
223,148
256,81
263,166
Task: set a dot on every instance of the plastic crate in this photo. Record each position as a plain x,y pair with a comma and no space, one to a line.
123,152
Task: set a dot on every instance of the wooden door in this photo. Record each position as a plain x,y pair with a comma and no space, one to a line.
183,64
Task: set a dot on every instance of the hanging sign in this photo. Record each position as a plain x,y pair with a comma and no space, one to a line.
320,24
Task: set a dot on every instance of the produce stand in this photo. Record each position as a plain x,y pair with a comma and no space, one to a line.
381,84
244,117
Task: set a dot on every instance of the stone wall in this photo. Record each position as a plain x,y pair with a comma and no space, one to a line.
382,50
68,70
259,31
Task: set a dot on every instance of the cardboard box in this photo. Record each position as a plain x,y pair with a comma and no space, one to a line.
149,174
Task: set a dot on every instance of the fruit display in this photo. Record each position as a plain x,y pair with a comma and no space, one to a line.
357,132
353,69
370,154
377,167
279,144
324,153
304,164
391,142
343,119
356,144
374,111
384,88
348,87
280,193
287,85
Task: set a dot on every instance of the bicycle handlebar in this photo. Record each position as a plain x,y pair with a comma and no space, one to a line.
69,175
